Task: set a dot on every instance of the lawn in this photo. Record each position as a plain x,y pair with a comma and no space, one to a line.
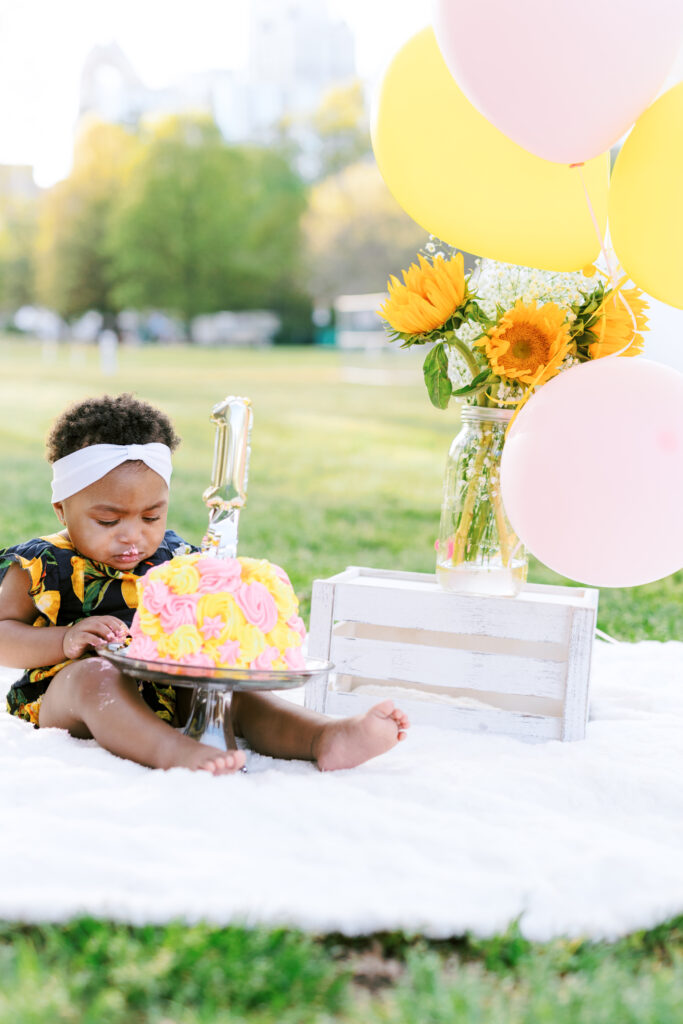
346,467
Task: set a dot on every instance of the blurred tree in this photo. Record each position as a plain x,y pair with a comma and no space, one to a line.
356,234
206,226
341,126
18,228
74,269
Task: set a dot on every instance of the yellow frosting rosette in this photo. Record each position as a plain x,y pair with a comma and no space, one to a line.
184,640
162,573
183,578
150,624
256,569
222,606
283,636
252,642
261,570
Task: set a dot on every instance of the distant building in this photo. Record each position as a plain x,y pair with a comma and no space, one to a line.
357,323
296,53
111,88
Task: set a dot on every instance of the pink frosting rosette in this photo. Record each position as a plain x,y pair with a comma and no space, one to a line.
216,574
297,624
179,610
143,648
266,658
212,626
199,660
228,653
258,605
280,572
294,659
155,595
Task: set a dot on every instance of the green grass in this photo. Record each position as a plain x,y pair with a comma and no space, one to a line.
91,971
342,473
88,972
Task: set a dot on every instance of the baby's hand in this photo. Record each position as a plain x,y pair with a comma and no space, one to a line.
93,632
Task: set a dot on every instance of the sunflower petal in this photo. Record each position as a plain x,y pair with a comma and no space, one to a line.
428,296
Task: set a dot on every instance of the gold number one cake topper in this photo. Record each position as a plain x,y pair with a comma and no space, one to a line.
227,493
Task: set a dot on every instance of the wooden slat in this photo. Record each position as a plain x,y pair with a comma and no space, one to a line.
362,576
578,674
426,607
522,703
509,723
455,641
374,659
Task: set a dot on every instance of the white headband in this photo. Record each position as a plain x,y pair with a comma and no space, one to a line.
83,467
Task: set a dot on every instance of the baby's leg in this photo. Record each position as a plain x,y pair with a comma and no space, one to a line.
92,698
278,728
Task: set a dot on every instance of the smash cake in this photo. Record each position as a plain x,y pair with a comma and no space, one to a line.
218,613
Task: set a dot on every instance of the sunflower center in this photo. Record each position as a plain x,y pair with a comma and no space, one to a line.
527,346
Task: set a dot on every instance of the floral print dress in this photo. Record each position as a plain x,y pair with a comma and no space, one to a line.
66,587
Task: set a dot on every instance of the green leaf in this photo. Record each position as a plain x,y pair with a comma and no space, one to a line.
436,376
407,340
93,594
477,384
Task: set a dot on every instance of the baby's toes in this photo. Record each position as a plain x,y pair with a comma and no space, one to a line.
229,763
385,709
224,763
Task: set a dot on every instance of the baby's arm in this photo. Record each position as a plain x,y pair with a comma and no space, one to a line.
24,646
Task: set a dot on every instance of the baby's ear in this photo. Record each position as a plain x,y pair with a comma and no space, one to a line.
59,511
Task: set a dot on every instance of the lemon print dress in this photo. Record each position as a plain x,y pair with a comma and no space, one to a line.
66,587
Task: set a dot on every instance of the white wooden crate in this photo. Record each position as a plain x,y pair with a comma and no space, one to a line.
515,665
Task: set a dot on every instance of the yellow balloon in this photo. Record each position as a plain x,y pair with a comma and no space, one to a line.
646,200
464,181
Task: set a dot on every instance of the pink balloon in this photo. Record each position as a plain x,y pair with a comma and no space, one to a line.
592,472
562,78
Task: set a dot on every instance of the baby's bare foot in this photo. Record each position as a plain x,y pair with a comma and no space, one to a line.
348,742
189,753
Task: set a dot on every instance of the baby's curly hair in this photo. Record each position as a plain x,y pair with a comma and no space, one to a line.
120,419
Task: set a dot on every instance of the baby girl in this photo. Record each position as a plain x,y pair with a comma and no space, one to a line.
111,460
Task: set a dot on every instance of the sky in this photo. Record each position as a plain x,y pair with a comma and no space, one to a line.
43,44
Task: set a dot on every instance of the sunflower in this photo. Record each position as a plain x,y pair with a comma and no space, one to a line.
621,318
528,343
429,296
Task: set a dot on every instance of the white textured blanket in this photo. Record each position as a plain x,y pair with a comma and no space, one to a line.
449,832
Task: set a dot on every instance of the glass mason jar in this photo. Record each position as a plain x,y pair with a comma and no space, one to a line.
477,550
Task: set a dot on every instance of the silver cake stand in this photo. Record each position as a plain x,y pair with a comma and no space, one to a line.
210,718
